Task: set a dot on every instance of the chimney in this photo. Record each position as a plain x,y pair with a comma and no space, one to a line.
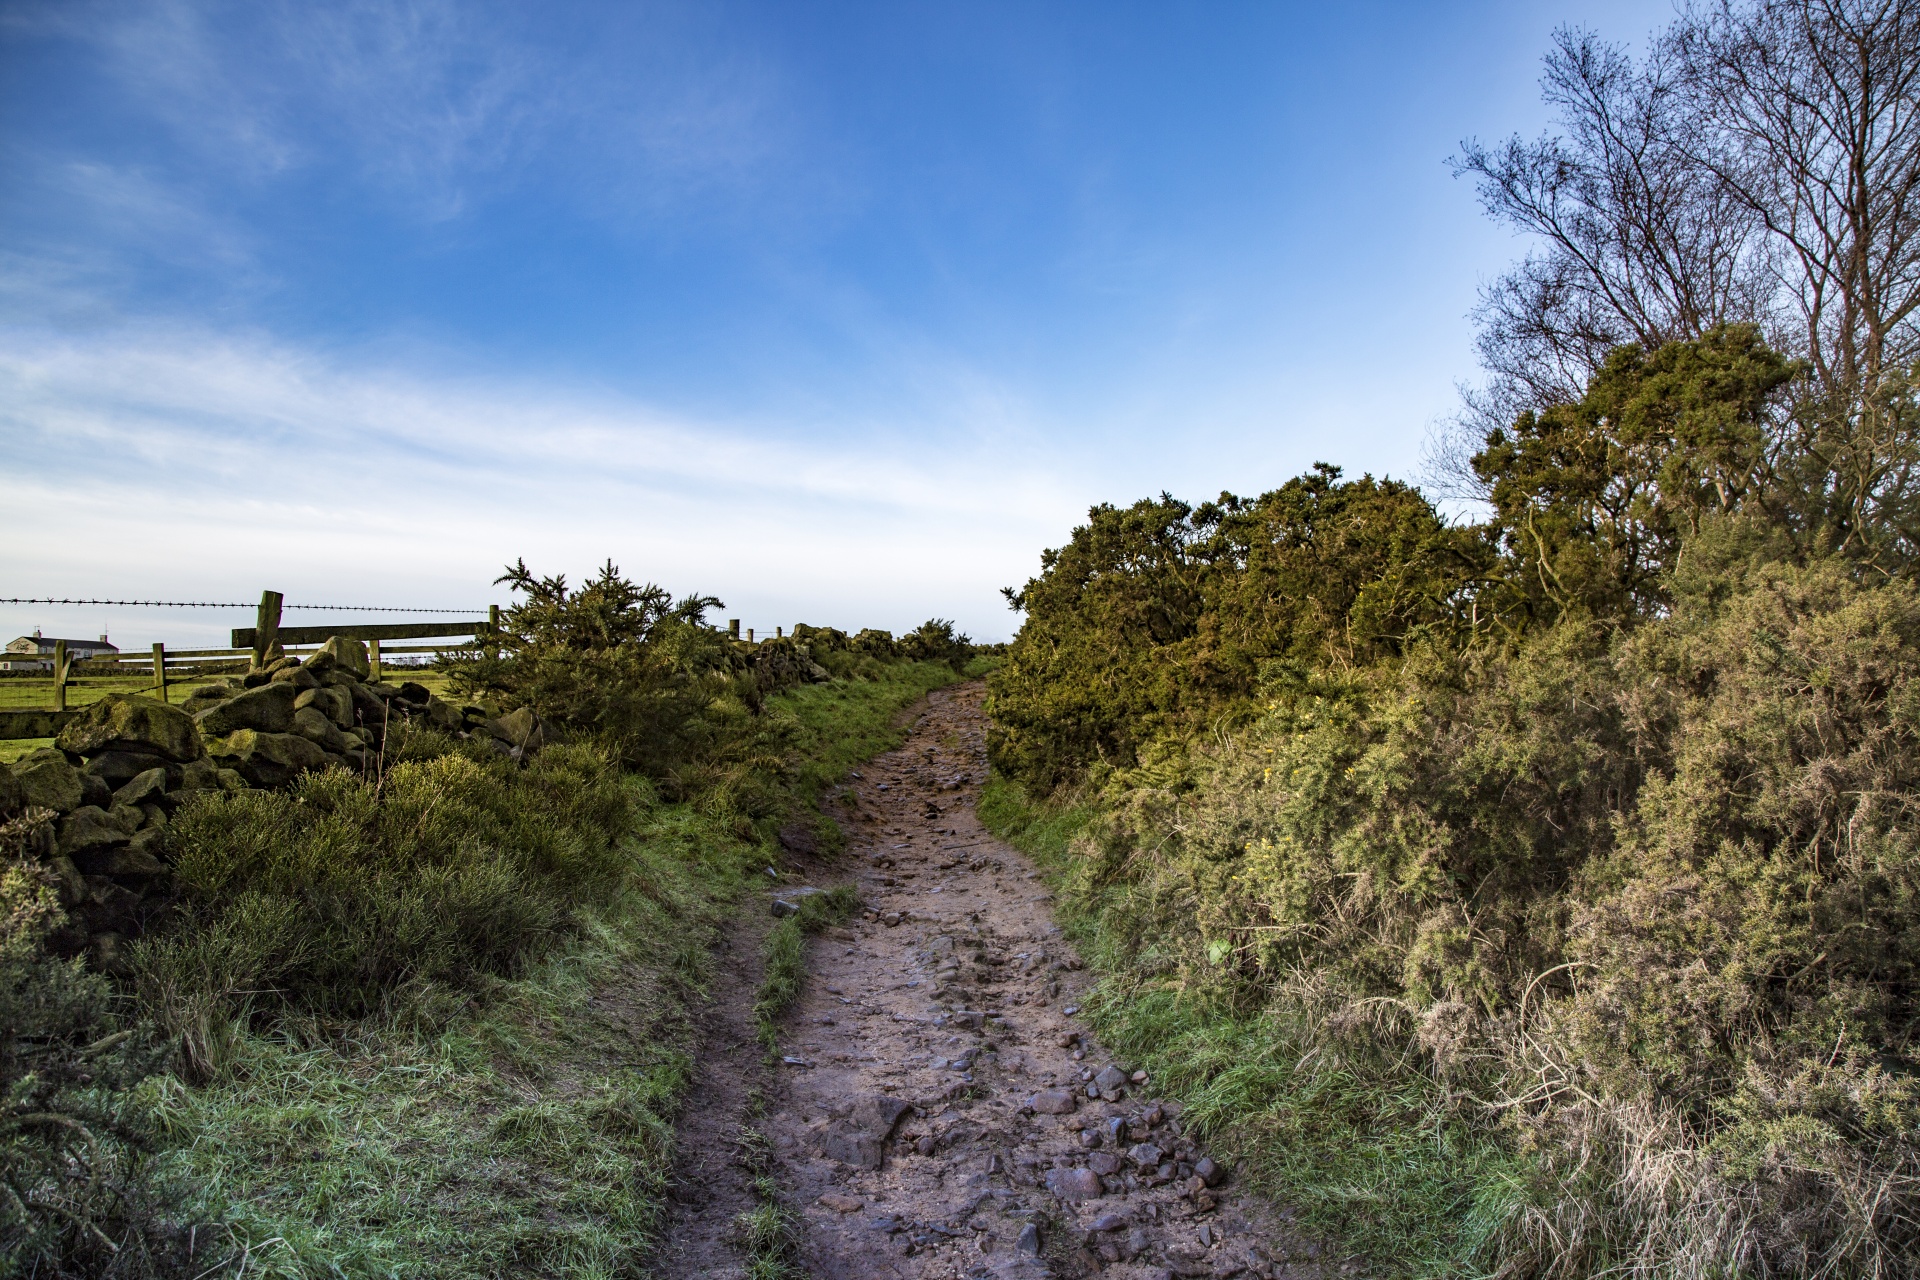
36,633
103,637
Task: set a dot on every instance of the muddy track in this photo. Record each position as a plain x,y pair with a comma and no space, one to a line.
941,1112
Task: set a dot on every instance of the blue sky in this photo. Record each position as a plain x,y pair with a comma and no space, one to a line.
840,312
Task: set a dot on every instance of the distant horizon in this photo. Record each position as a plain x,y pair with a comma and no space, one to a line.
839,313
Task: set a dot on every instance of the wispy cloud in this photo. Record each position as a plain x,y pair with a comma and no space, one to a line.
255,459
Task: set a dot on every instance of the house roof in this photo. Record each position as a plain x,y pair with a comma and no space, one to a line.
44,644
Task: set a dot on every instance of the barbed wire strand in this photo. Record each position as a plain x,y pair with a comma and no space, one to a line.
218,604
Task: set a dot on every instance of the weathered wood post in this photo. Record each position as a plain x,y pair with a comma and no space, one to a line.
749,635
733,628
160,670
373,658
266,627
779,632
493,630
61,664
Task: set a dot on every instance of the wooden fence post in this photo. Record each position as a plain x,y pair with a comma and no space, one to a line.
733,628
373,658
266,627
493,629
160,670
61,664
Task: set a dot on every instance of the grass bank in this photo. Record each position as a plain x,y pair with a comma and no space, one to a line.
439,1109
1360,1146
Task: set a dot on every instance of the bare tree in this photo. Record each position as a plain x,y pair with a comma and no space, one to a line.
1808,116
1638,241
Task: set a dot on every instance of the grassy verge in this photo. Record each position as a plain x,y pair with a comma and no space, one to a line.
464,1121
1362,1148
786,947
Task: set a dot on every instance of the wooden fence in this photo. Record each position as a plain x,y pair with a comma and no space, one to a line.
251,643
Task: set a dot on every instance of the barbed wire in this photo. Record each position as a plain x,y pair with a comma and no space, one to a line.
219,604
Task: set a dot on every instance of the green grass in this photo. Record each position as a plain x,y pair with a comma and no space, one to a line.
529,1130
786,955
1363,1150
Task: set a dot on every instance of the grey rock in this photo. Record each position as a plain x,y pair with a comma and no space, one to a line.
266,759
1110,1078
296,678
1208,1172
118,768
1107,1222
347,655
522,729
142,788
313,725
96,790
1145,1155
47,781
1104,1163
1074,1184
13,796
200,775
91,827
1053,1102
1029,1241
266,709
127,722
860,1139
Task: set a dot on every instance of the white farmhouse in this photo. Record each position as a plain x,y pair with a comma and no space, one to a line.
35,652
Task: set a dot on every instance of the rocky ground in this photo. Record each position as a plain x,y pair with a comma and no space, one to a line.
939,1111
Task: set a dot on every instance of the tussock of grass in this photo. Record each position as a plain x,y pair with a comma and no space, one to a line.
786,948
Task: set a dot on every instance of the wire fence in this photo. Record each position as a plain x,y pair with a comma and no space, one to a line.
226,604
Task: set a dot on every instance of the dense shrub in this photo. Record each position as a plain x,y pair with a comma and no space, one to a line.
613,661
1586,839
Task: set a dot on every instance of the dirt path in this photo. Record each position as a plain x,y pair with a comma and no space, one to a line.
942,1113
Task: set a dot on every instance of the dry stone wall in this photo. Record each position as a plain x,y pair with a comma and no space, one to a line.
119,771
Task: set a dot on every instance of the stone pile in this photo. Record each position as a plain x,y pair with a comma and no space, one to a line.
120,769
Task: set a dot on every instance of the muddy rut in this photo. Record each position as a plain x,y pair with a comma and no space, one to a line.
940,1111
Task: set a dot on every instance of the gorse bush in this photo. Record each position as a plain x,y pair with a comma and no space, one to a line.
1584,838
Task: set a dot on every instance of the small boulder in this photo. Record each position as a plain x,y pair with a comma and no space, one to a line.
143,788
522,729
91,827
1053,1102
266,709
347,655
1074,1184
13,796
1145,1155
47,781
860,1139
266,759
117,768
127,722
200,775
295,677
95,789
312,724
